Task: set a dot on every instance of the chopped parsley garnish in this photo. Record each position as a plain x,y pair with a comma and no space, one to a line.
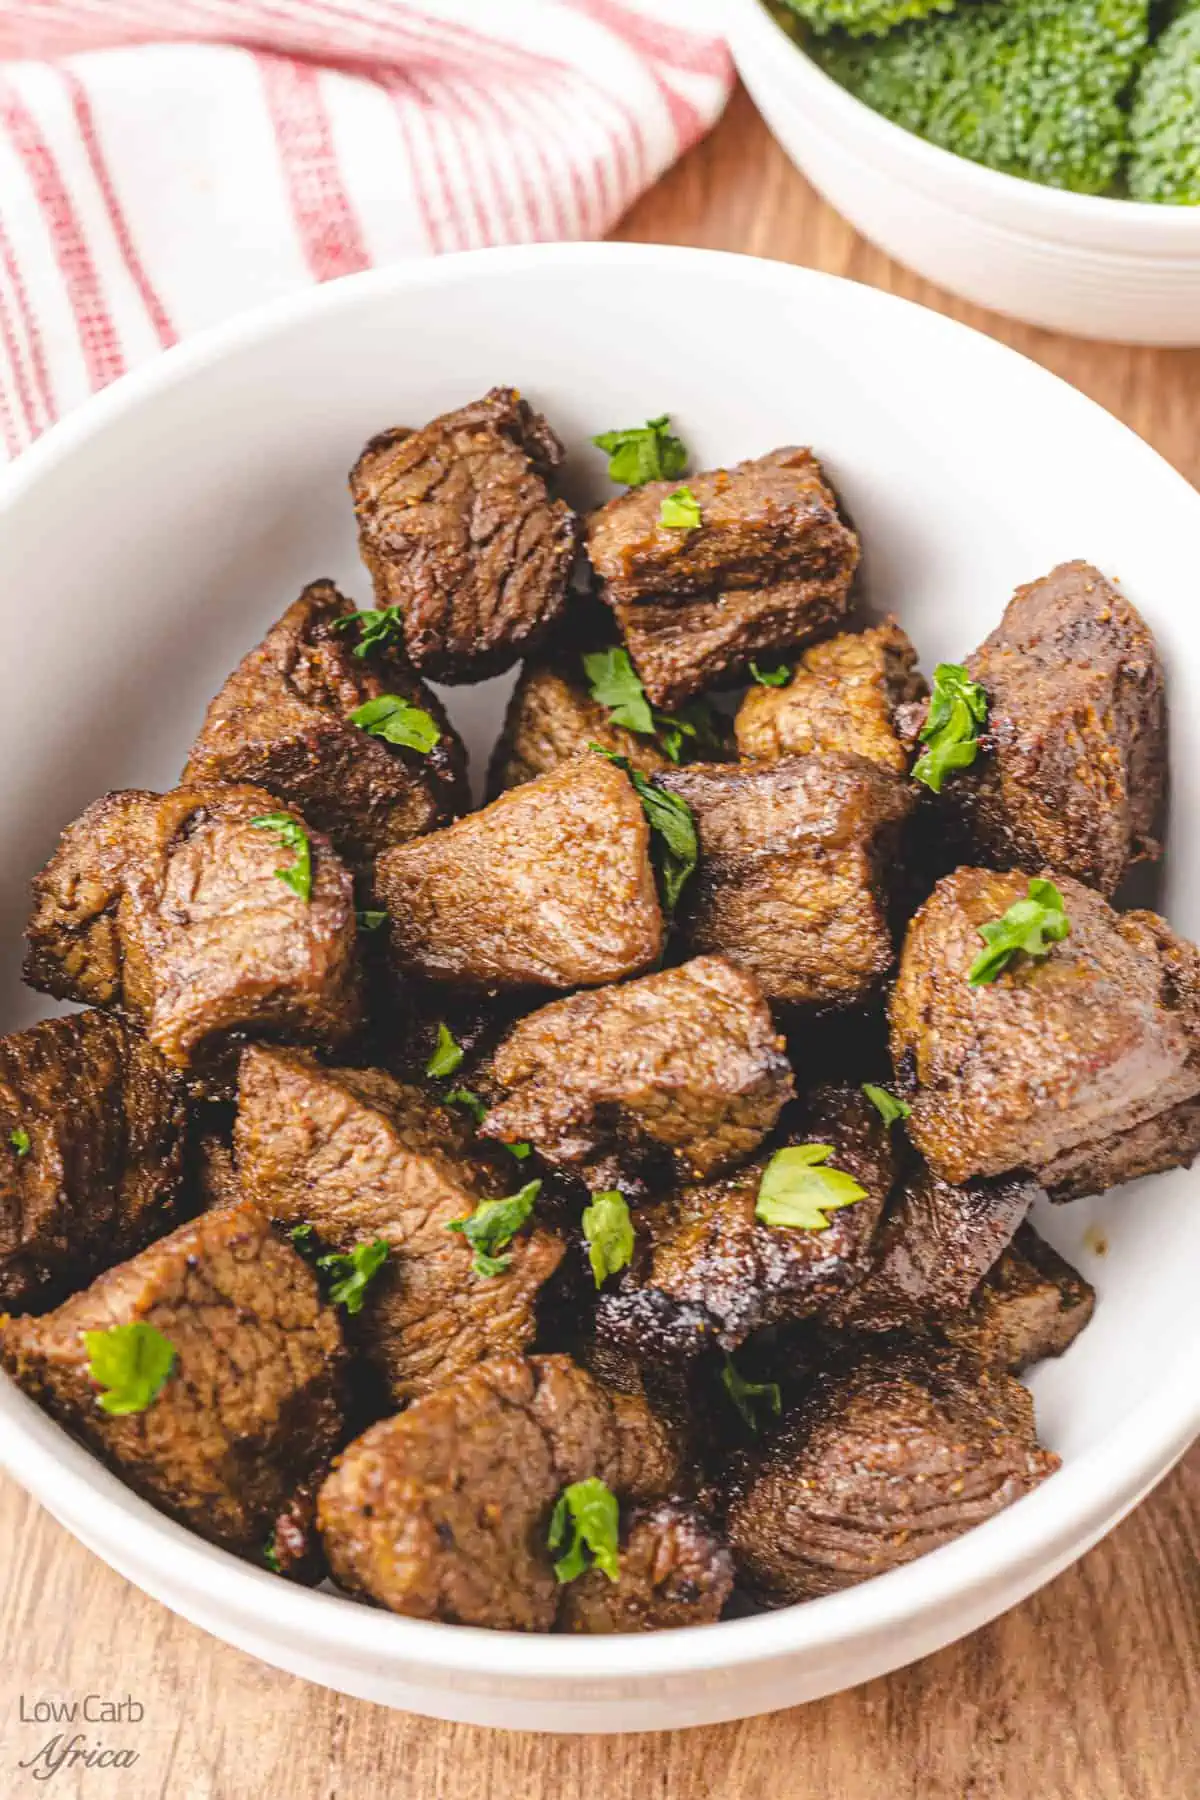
492,1226
748,1396
585,1527
375,627
464,1097
304,1239
271,1556
447,1053
20,1140
680,511
608,1229
397,721
676,845
643,453
957,709
370,921
131,1363
886,1105
798,1188
353,1271
613,682
1028,928
777,677
298,876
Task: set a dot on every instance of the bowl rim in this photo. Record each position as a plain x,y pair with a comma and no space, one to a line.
1027,1543
1154,225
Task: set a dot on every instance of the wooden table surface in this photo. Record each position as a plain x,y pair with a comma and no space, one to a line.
1090,1691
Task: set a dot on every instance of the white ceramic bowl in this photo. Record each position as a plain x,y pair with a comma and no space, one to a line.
1073,262
147,542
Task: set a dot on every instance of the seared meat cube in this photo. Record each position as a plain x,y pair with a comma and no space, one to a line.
549,886
796,860
181,910
1074,770
91,1154
1030,1305
708,1271
681,1068
842,695
890,1457
250,1411
460,534
551,719
1170,1140
1088,1042
675,1571
443,1511
359,1157
283,722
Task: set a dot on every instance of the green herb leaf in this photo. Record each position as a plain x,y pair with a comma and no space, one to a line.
397,721
447,1053
131,1363
608,1229
493,1225
797,1190
957,709
271,1556
353,1272
643,453
20,1140
747,1396
520,1149
613,683
464,1097
694,724
777,677
676,845
680,511
292,836
1028,928
886,1105
304,1239
370,921
586,1527
375,627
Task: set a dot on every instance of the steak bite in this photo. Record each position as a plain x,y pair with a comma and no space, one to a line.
458,529
1087,1043
552,719
250,1411
680,1072
358,1156
180,909
443,1511
550,886
842,695
283,721
886,1458
797,859
1031,1304
675,1571
1170,1140
92,1127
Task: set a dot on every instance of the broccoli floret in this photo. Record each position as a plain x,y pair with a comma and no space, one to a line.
1032,87
866,18
1164,128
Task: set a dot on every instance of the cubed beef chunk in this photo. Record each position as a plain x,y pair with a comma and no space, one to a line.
251,1409
1090,1041
550,886
797,858
679,1073
552,719
1169,1140
842,695
443,1511
887,1458
359,1157
458,529
708,1271
675,1571
1031,1304
92,1127
1073,771
180,910
282,722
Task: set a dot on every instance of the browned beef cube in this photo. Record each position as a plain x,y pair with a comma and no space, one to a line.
708,1271
552,719
549,886
251,1409
842,695
888,1458
359,1157
675,1571
91,1154
1031,1304
681,1071
460,533
1169,1140
282,722
797,858
180,910
443,1511
1071,1050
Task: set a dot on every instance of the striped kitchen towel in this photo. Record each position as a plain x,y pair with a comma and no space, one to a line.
165,163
